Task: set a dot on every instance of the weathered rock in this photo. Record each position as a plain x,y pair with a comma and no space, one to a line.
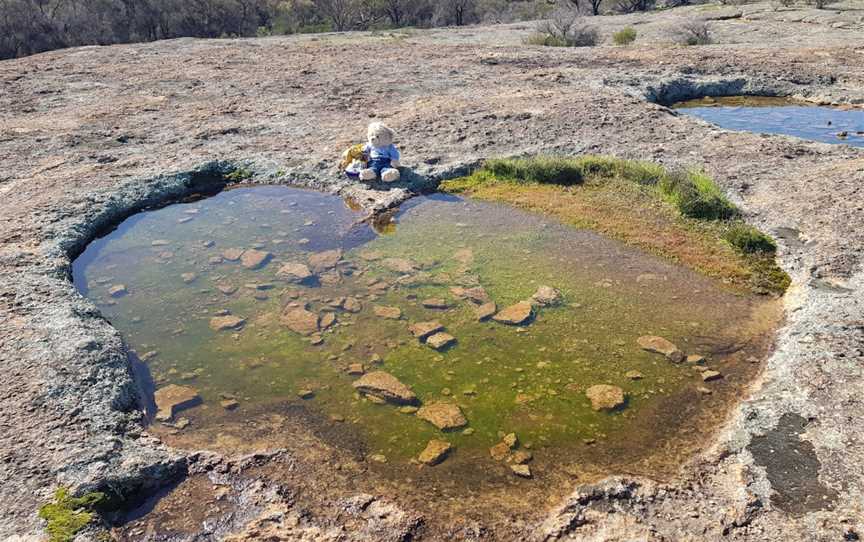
633,375
294,272
118,290
229,404
511,440
226,289
323,261
659,345
385,386
400,265
422,330
475,294
515,315
327,320
485,311
173,398
392,313
695,359
300,320
232,254
255,259
356,369
605,397
435,452
444,416
499,452
708,376
435,303
440,341
224,323
352,304
546,296
188,277
520,457
523,471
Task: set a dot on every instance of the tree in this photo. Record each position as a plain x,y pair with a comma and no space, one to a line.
341,13
454,12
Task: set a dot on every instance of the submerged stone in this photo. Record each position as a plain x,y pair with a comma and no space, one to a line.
435,452
224,323
440,341
232,254
294,272
173,398
118,290
300,320
400,265
226,289
515,314
385,386
485,311
323,261
255,259
659,345
499,452
708,376
352,304
422,330
444,416
476,294
605,397
391,313
546,296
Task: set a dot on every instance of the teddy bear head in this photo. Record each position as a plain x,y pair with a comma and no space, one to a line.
379,135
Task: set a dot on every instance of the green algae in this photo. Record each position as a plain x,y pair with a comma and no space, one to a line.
530,379
67,515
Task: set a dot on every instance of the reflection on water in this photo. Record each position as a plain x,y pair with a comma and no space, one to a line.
780,116
263,297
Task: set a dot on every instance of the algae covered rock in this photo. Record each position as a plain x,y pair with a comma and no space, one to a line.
255,259
224,323
485,311
422,330
322,261
385,386
546,296
294,272
391,313
441,341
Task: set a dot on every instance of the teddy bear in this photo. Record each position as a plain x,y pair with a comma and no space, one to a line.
381,153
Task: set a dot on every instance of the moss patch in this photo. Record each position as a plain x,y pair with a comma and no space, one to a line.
67,515
681,215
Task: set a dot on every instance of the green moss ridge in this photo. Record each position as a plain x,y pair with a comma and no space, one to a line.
691,192
67,515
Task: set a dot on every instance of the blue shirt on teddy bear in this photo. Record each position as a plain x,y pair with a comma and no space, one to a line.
380,157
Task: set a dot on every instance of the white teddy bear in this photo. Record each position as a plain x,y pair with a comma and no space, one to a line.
381,153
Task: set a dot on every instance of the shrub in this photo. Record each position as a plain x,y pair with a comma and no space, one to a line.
540,169
696,196
67,515
694,33
563,29
625,36
748,239
630,6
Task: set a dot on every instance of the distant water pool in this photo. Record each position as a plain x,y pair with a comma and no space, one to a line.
780,116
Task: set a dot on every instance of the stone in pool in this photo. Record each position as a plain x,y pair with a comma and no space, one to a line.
385,386
435,303
435,452
224,323
322,261
546,296
173,398
294,272
391,313
659,345
444,416
299,320
485,311
476,294
422,330
255,259
440,341
118,290
605,397
400,265
232,254
515,315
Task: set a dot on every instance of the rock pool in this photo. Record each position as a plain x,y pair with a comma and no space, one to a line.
273,302
780,116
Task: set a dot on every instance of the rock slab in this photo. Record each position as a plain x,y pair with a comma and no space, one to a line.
385,386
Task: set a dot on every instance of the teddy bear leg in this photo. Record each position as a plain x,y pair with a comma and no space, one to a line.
367,174
390,175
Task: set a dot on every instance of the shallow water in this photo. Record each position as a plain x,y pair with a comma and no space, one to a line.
528,379
780,116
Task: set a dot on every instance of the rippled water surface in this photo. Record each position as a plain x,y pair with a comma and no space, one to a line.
781,116
172,272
